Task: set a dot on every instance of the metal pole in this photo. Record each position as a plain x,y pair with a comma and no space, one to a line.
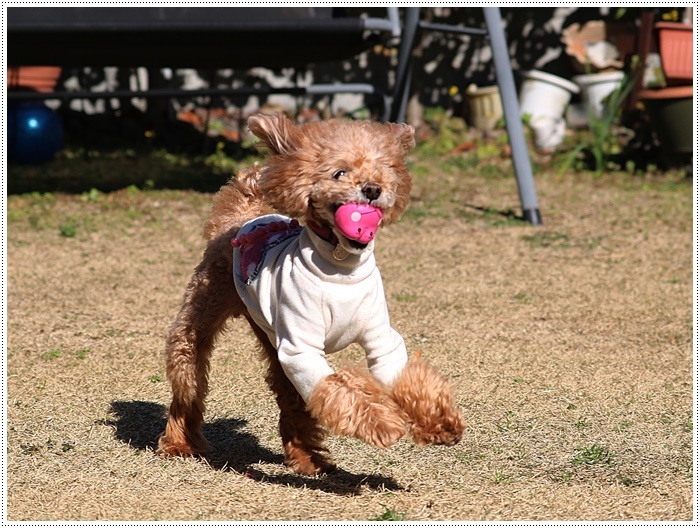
404,68
511,110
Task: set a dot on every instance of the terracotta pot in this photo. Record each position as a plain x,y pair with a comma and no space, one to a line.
676,47
39,78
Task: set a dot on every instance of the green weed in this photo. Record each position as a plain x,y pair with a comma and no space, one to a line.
459,163
68,230
628,481
506,425
390,515
92,196
82,353
602,142
594,454
502,477
53,354
404,296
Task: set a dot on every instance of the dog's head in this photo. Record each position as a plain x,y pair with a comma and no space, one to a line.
314,169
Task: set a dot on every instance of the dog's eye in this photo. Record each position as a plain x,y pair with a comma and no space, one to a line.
338,174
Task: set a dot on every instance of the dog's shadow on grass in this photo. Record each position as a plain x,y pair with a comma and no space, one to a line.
139,423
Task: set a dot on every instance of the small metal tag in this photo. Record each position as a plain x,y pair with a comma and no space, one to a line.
340,253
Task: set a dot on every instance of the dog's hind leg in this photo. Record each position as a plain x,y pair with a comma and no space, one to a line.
302,436
209,301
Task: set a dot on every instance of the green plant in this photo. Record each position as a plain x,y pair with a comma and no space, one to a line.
390,515
53,354
220,162
92,196
68,230
628,481
448,132
601,139
501,477
82,353
594,454
506,425
405,296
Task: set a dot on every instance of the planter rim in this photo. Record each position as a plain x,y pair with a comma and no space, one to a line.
595,78
551,79
675,92
484,90
674,25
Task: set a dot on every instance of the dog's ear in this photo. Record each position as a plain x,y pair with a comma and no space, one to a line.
276,131
405,134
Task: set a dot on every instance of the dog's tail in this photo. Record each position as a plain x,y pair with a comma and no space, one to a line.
236,202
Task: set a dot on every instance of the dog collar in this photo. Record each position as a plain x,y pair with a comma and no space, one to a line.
323,233
339,252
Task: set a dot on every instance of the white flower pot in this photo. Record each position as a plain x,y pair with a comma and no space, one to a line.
596,87
544,97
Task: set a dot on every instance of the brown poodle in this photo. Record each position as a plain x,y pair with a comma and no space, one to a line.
307,291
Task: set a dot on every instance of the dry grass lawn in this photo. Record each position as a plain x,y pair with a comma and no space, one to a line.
570,346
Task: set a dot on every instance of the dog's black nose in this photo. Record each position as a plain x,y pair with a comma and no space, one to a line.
371,190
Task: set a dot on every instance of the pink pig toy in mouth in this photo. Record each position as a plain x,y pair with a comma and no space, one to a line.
358,222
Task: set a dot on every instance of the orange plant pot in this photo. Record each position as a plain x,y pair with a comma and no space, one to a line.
676,47
39,78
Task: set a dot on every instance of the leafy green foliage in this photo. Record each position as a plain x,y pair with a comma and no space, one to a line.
390,515
602,140
594,454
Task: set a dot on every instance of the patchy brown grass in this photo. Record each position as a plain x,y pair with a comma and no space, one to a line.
570,345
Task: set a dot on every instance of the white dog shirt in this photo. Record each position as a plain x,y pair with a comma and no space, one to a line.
310,304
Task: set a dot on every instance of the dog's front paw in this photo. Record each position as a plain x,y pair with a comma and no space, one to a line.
442,431
428,399
354,404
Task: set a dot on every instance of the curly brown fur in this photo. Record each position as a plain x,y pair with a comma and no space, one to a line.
209,301
236,203
310,171
302,436
428,400
352,403
297,178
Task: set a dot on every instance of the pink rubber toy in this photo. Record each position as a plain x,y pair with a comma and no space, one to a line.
358,221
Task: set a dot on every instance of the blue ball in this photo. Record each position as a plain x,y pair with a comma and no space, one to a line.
34,133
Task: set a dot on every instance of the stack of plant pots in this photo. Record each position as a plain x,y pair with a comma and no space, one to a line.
670,108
